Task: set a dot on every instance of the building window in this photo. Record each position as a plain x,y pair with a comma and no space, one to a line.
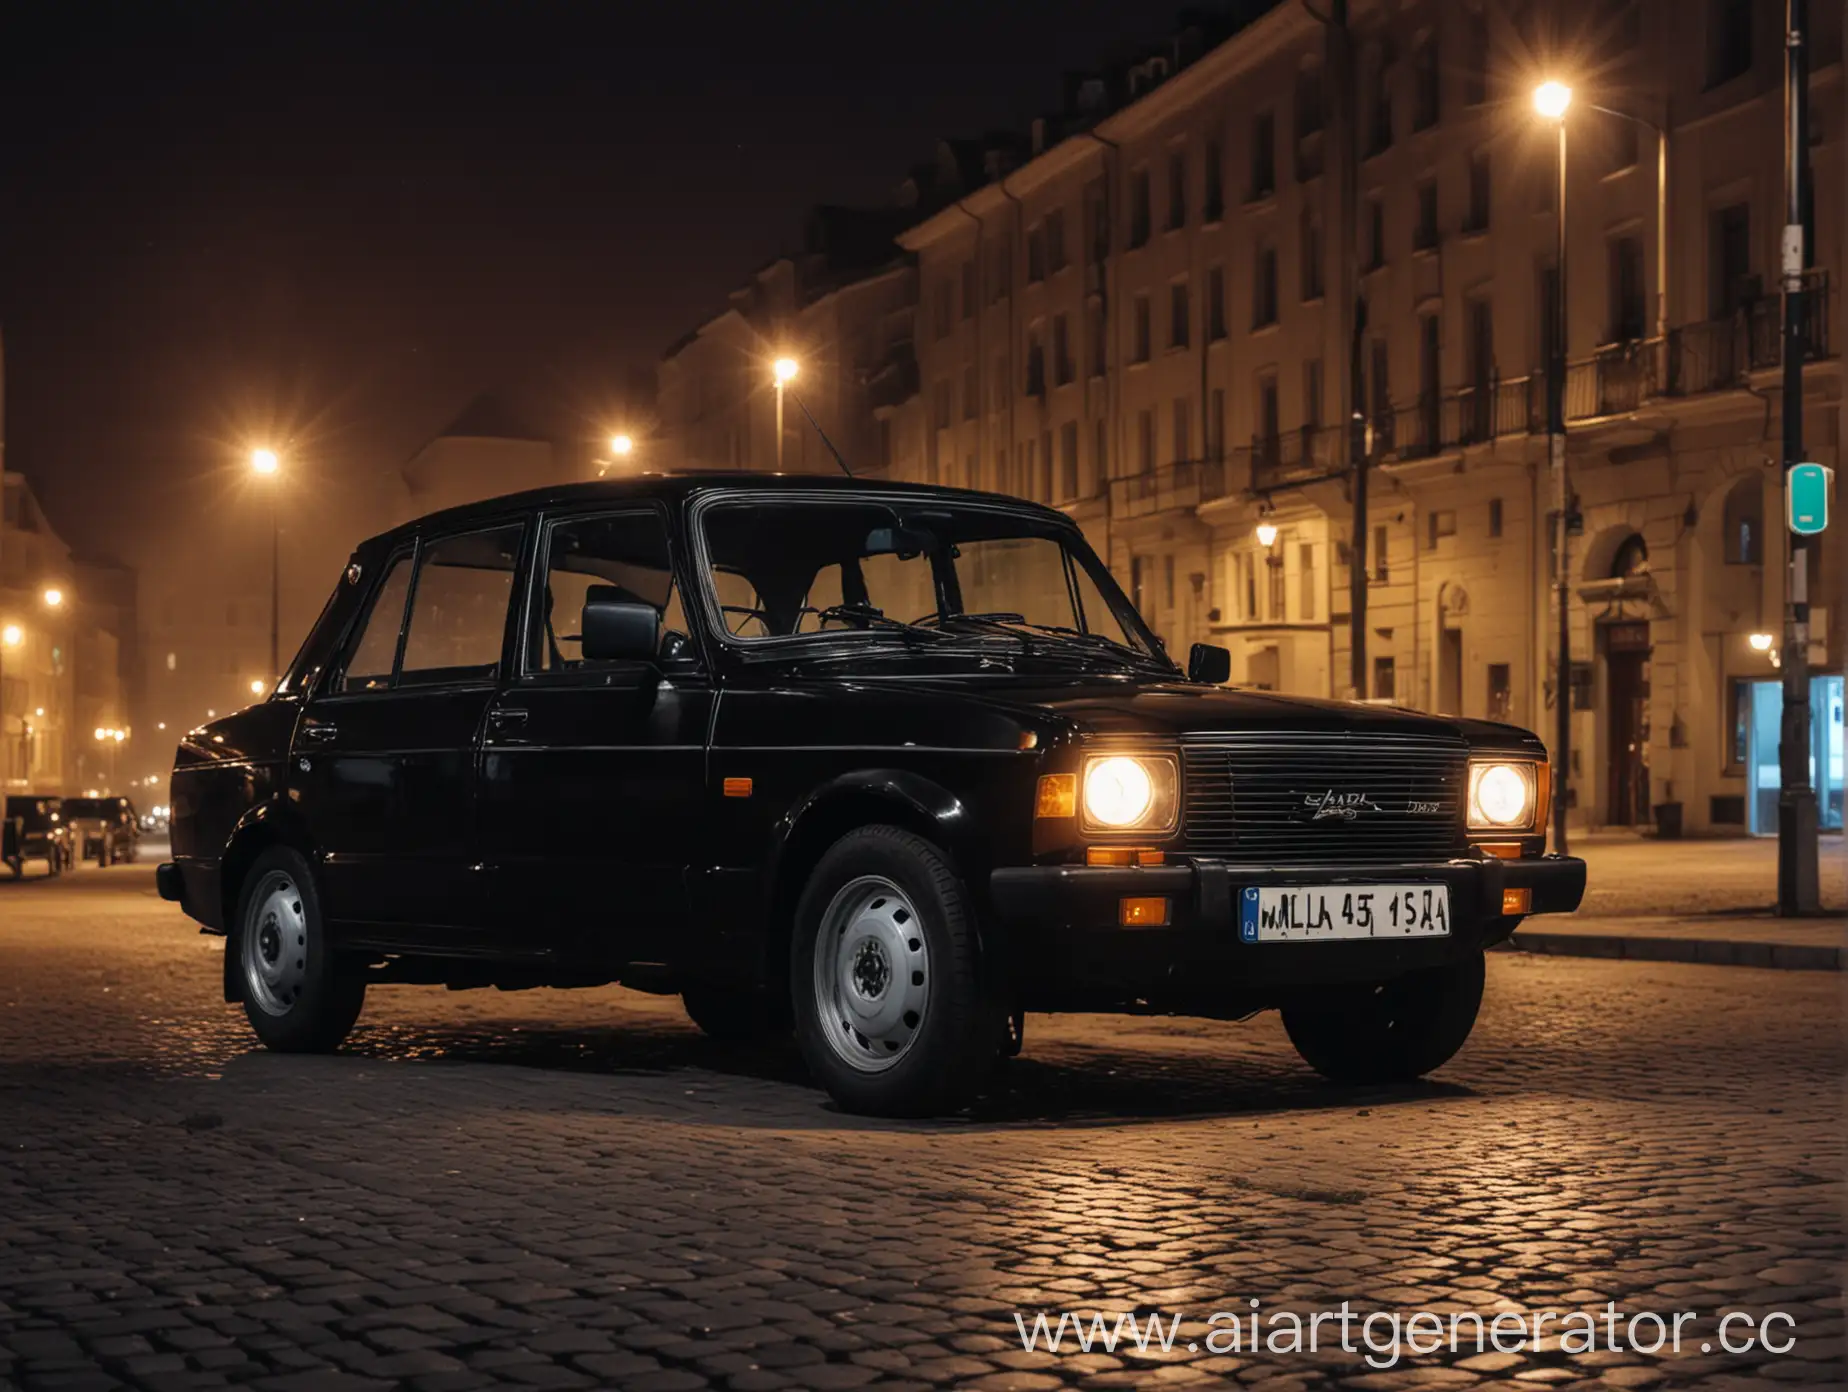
1095,313
1625,146
1382,571
1308,123
1263,155
1264,288
1145,441
1062,368
1501,693
1248,573
1100,451
1003,376
1036,364
1626,287
1216,425
1381,382
1439,524
1424,231
945,308
1312,393
1047,467
1214,205
1215,304
1177,315
1425,84
1036,253
1383,680
1305,578
1375,245
1270,418
1475,58
1177,190
1495,517
1309,251
1379,108
940,405
1139,208
1729,261
1068,460
1139,328
1478,218
969,290
1729,40
1183,430
1055,241
1276,586
1744,522
972,392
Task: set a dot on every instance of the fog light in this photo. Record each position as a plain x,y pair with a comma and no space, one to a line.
1517,901
1143,913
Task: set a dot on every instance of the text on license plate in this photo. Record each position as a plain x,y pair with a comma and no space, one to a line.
1305,913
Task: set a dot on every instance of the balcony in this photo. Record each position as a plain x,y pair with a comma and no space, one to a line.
1717,353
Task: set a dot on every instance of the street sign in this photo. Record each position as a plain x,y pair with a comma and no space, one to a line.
1806,496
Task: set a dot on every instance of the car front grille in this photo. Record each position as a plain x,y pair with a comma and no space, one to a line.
1254,796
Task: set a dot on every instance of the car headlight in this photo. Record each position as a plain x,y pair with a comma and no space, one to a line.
1503,795
1130,792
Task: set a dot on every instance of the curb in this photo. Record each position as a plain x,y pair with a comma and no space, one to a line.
1716,952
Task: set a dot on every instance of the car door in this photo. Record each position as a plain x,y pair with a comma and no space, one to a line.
384,753
592,772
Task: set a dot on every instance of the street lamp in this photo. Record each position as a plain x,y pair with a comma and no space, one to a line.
53,596
257,687
1551,99
622,446
784,371
267,462
1267,534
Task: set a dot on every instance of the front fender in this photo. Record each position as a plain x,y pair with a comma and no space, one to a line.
920,801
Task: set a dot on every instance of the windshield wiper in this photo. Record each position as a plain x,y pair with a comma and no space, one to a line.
869,617
1019,627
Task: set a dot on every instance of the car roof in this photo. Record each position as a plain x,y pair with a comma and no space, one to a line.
679,487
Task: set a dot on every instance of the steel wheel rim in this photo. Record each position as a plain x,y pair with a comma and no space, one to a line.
872,974
275,944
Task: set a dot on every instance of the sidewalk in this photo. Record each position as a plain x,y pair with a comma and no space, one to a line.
1694,901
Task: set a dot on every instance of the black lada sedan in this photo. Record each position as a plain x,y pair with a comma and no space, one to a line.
889,764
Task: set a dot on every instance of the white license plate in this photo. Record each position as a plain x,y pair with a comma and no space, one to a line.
1328,913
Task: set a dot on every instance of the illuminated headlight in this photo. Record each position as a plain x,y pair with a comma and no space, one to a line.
1502,796
1124,792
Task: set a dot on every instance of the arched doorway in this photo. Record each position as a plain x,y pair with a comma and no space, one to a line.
1626,684
1452,605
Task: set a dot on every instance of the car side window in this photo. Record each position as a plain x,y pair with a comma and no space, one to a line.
458,616
615,556
375,651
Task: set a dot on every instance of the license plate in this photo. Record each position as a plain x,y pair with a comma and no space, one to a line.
1328,913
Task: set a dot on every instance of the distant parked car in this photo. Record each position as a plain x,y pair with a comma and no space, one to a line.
104,829
35,829
892,764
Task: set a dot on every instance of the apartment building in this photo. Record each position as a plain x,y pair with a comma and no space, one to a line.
1143,323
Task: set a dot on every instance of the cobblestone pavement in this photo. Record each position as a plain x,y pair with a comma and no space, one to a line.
577,1190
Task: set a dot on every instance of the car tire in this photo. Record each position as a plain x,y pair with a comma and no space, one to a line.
1390,1031
892,1011
734,1013
300,996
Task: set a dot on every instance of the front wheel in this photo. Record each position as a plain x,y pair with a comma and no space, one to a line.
300,996
892,1012
1390,1032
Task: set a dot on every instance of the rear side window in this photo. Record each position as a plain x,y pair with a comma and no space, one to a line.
459,607
369,668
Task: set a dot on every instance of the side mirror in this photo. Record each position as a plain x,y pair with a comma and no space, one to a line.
1207,662
616,630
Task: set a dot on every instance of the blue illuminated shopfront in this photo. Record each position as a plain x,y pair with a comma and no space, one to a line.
1764,710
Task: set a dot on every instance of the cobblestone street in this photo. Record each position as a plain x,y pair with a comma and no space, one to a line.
578,1190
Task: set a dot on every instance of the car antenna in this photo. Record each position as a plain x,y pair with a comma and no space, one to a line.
824,435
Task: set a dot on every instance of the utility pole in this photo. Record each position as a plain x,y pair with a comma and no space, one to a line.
1562,505
1797,890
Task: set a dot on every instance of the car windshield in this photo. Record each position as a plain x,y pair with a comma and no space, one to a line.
919,569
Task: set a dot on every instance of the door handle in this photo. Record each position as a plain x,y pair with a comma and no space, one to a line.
320,730
507,717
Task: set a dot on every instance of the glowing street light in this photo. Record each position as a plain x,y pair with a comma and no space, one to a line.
53,596
622,445
257,687
784,371
101,733
12,635
1551,99
265,461
1267,534
1761,642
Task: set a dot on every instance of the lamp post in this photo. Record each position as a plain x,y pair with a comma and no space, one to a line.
266,462
784,371
1551,99
11,636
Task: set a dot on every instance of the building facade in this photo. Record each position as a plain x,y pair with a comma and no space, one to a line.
1144,324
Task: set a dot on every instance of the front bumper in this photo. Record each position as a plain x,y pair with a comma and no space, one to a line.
1067,949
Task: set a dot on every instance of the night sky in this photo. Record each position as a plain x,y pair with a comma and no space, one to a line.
225,226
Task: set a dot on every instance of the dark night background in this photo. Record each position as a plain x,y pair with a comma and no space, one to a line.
226,226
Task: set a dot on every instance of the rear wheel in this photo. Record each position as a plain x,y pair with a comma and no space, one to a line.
298,993
1391,1032
891,1009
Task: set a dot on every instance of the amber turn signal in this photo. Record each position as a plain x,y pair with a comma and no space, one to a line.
1501,850
1058,795
1121,855
1143,913
1517,901
737,787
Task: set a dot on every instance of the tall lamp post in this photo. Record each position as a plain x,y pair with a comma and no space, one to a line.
1551,99
11,636
784,371
266,462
